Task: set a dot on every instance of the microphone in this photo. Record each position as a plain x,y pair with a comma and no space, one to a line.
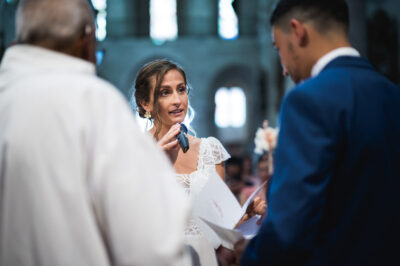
182,138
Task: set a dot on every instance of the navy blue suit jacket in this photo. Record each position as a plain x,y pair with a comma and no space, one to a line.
334,198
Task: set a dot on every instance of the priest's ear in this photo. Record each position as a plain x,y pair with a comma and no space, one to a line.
88,40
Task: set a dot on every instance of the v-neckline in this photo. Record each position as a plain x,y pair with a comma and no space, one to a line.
198,159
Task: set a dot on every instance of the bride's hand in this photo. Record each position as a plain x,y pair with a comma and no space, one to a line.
225,257
169,142
256,207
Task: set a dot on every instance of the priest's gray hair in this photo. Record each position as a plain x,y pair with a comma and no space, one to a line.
56,23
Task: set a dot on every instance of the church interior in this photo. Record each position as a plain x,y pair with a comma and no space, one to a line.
225,47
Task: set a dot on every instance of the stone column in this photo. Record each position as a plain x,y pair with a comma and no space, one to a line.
142,18
128,18
247,14
197,17
268,61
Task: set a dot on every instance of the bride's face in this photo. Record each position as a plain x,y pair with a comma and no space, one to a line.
172,98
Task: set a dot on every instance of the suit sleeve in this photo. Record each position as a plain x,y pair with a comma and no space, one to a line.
297,194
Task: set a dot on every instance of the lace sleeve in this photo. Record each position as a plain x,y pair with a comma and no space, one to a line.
213,153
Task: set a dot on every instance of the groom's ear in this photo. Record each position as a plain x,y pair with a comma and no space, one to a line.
299,30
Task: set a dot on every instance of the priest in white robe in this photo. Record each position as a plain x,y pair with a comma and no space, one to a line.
79,183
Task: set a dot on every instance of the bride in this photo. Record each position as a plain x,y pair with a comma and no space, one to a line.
161,94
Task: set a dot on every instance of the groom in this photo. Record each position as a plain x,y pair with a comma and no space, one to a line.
334,197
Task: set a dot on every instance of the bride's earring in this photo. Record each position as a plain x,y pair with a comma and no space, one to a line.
147,115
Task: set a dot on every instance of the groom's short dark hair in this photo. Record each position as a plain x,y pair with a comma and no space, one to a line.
324,13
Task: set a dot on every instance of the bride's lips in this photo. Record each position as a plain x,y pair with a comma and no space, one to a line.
176,112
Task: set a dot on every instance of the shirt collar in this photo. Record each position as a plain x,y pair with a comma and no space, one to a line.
324,60
24,57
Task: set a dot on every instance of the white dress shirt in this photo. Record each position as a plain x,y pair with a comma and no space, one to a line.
79,183
327,58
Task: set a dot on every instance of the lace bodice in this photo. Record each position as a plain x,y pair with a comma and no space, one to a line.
211,152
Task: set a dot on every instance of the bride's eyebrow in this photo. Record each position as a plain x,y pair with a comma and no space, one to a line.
165,87
169,87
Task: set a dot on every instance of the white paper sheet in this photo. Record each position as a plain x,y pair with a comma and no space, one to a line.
250,199
219,210
216,203
249,228
227,236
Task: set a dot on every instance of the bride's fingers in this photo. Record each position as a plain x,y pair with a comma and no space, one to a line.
244,218
261,218
173,130
260,209
258,206
170,136
170,145
257,200
251,208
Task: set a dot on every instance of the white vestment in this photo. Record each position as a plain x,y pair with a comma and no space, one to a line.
79,183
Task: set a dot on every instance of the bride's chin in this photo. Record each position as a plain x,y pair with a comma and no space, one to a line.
177,120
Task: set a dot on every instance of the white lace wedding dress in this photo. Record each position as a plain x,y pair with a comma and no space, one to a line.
211,152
